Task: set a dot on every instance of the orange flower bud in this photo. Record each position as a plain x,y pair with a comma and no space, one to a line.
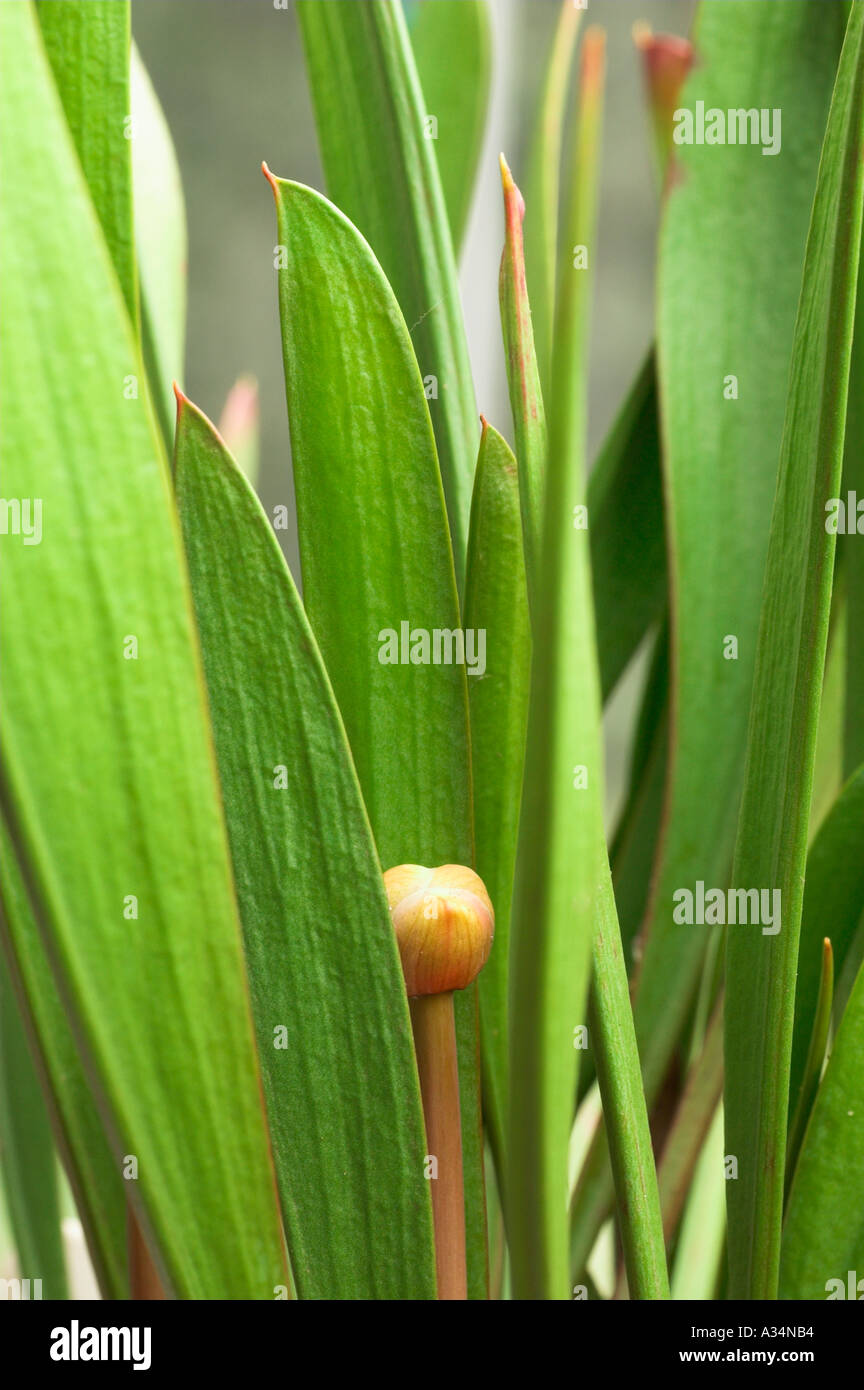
444,924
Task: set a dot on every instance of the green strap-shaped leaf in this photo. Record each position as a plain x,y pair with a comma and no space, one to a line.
625,1113
334,1033
625,509
94,1175
560,828
377,567
833,904
109,784
496,603
160,240
813,1063
542,186
823,1237
772,831
723,375
27,1160
88,45
382,172
452,45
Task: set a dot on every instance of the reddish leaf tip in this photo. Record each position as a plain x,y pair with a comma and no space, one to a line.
269,176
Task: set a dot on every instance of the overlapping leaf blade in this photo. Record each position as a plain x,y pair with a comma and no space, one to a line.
496,603
452,45
377,567
29,1168
720,453
383,174
93,1173
111,803
823,1236
772,831
328,995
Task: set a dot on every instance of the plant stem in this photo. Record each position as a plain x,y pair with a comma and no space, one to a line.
435,1043
625,1114
144,1281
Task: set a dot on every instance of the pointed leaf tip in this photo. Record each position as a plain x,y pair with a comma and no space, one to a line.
593,59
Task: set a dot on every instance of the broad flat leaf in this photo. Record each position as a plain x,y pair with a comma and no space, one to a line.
110,803
334,1034
496,602
160,240
560,828
823,1236
27,1160
382,172
91,1169
377,566
833,903
452,45
772,832
720,454
88,46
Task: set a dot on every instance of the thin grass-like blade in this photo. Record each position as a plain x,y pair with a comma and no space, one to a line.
772,831
452,43
88,47
93,1174
833,904
334,1034
382,172
823,1236
543,184
160,241
377,567
109,785
560,827
814,1061
496,602
29,1169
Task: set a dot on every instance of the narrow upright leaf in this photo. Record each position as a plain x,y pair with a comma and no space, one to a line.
160,240
120,837
378,579
833,904
382,172
452,45
823,1237
27,1161
328,995
88,46
93,1173
772,830
496,604
723,373
544,182
560,827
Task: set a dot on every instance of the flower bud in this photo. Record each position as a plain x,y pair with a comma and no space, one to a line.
444,924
